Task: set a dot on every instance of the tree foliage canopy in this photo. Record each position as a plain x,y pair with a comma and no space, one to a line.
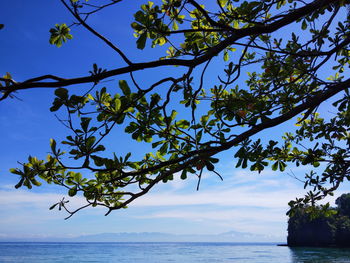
343,203
282,61
320,225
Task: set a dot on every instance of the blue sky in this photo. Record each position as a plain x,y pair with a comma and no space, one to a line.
245,201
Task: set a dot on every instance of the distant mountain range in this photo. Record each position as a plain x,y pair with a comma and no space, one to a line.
232,236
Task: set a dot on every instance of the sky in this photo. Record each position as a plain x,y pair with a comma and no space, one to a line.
244,201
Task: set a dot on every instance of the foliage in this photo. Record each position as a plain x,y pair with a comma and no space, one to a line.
289,78
319,226
343,203
59,34
343,231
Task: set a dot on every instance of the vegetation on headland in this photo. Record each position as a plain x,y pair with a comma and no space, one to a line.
321,225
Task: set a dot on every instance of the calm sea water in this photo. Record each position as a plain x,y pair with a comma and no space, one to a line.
167,252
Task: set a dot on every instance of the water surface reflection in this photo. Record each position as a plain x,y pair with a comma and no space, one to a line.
320,255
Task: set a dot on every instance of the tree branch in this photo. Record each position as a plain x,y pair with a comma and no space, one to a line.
236,35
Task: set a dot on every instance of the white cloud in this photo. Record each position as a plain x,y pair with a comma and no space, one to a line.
236,197
243,215
241,188
22,209
20,206
245,201
14,198
259,221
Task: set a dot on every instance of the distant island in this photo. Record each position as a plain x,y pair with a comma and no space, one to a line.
232,236
321,226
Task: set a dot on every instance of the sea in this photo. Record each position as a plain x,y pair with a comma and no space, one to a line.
167,252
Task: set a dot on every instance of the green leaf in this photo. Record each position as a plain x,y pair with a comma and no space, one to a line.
130,109
62,93
57,104
72,192
199,135
316,164
175,26
304,25
173,114
59,34
117,104
141,41
35,182
239,163
127,156
222,3
204,119
226,56
155,144
99,148
27,184
245,163
183,124
183,175
77,177
90,141
85,123
275,166
19,184
99,161
123,85
161,41
209,166
16,171
282,166
163,150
